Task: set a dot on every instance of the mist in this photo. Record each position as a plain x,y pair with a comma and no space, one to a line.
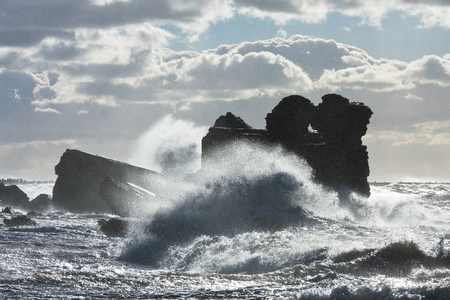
171,147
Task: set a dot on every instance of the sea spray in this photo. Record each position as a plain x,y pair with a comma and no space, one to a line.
250,189
255,209
171,147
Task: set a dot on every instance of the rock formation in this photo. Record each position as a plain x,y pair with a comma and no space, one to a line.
19,220
12,195
115,226
79,176
334,151
41,203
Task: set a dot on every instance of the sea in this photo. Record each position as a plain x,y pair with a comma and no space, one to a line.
258,229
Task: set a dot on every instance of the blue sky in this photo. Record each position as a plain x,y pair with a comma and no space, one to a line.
98,75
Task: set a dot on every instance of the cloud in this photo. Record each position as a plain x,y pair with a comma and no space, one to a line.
314,55
431,13
88,73
25,23
370,12
29,37
431,69
390,75
16,94
114,52
432,133
46,110
16,90
281,33
411,96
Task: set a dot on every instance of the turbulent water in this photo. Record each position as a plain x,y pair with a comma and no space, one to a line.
259,229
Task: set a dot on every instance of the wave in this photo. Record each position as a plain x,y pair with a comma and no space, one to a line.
255,189
395,259
259,211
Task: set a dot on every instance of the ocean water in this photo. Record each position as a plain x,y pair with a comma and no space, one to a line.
254,227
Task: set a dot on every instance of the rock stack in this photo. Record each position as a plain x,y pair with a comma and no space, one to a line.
327,136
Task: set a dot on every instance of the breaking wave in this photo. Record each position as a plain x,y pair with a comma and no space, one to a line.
254,190
257,209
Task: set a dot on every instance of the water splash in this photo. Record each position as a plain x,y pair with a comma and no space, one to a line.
171,147
253,189
256,209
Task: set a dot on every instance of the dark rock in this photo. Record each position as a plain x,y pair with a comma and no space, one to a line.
13,196
8,210
227,129
41,203
19,220
339,121
125,199
335,152
291,116
231,121
79,175
114,226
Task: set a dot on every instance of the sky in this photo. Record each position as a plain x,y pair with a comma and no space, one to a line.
115,77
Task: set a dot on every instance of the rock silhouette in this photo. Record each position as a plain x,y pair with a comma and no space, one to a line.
79,175
12,195
334,150
78,186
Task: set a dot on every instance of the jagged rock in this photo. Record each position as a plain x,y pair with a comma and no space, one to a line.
8,210
79,176
231,121
41,203
13,196
19,220
226,129
335,152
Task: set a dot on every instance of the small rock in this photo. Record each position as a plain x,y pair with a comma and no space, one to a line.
19,220
114,226
8,210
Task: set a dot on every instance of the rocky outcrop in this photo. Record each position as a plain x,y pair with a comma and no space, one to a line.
79,176
8,210
327,136
19,220
12,195
41,203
